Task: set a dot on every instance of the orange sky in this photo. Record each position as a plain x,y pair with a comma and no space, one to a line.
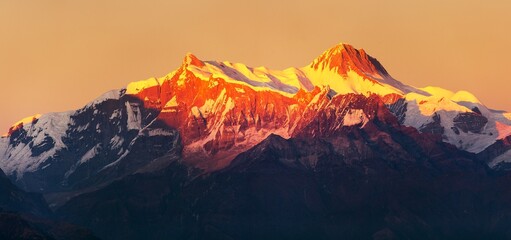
57,55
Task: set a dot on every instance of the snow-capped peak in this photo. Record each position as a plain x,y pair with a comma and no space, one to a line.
349,70
343,68
191,59
344,57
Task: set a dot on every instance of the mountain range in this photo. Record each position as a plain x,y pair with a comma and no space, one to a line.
221,150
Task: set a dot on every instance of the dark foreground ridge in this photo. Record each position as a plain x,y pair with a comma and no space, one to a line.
387,183
26,216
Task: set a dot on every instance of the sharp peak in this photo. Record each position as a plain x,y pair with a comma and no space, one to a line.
191,59
342,45
345,57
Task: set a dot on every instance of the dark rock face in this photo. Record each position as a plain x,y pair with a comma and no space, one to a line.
149,145
47,144
455,130
370,180
398,108
470,122
19,136
434,127
476,110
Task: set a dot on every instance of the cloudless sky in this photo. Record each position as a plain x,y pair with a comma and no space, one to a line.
57,55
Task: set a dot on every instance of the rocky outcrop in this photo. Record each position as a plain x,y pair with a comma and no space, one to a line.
434,127
470,122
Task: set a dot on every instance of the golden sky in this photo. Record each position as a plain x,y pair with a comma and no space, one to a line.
57,55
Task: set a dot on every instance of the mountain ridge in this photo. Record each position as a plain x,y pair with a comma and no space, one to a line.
220,109
215,150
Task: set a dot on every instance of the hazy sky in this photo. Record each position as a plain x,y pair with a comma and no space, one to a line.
57,55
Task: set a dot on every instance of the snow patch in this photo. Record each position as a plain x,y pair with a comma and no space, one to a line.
195,112
134,88
504,158
115,114
171,106
113,94
172,102
116,142
158,132
89,154
355,117
134,116
208,107
429,105
352,82
18,158
464,96
503,130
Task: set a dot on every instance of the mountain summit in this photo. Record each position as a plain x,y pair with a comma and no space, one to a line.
343,58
